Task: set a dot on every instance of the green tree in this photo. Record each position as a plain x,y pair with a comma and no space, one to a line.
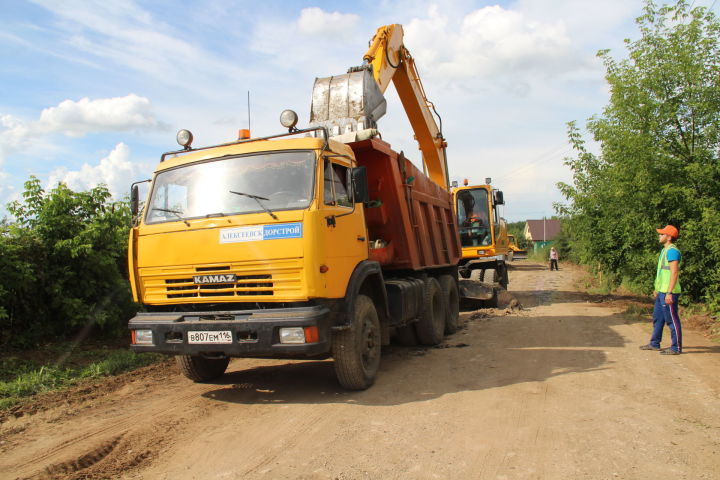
658,159
64,263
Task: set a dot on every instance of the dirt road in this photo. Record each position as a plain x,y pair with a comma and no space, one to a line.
557,390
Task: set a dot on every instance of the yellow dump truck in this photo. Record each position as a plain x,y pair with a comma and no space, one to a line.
314,243
483,233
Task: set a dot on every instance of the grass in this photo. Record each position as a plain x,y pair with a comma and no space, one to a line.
541,255
22,377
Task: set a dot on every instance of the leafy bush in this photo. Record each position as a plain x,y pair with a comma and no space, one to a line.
658,161
64,264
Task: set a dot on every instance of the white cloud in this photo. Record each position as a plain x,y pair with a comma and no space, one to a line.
316,21
117,114
492,44
75,119
327,38
117,171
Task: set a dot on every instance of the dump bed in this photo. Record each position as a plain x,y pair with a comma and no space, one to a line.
410,215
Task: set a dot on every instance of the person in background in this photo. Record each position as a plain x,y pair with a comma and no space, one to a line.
553,259
667,292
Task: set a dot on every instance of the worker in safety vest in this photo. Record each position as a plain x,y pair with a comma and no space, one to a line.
667,291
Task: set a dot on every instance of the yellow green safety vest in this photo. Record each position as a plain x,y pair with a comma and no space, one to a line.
662,279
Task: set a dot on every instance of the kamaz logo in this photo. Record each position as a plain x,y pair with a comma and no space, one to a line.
210,279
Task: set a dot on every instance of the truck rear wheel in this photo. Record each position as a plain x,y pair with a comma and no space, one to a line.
201,369
430,327
451,296
356,351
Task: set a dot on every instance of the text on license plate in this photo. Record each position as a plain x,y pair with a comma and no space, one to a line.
222,336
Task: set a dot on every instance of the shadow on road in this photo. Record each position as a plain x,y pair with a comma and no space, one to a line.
501,351
533,298
526,267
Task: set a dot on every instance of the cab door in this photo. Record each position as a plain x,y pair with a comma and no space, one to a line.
343,229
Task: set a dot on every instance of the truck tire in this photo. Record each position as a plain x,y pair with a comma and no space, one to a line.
451,295
201,369
430,327
356,350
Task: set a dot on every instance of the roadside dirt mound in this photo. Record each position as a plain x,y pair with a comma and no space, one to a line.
86,391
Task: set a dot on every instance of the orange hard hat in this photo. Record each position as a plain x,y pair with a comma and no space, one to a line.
668,230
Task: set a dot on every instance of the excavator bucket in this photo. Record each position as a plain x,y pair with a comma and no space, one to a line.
474,290
347,103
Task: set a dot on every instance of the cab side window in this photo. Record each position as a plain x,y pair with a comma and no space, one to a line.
335,185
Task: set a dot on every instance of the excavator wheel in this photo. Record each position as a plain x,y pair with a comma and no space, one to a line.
489,275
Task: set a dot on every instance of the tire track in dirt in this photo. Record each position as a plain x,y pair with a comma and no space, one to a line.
556,390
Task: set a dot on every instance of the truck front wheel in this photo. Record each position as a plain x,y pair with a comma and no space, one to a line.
356,350
201,369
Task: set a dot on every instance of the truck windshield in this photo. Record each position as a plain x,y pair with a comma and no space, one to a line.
284,180
473,218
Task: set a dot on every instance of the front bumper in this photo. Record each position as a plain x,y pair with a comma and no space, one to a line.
255,333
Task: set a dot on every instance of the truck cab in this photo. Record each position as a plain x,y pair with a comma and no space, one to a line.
264,248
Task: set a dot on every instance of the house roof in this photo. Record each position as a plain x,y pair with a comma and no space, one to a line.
540,233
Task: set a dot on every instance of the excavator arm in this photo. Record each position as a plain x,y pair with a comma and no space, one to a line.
350,103
391,61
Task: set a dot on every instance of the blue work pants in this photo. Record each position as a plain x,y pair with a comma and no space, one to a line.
664,314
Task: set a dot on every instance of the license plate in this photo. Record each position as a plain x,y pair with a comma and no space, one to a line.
222,336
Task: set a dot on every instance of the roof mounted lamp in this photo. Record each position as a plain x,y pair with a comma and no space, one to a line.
184,138
289,119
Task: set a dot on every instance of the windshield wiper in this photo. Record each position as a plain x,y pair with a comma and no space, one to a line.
177,214
257,199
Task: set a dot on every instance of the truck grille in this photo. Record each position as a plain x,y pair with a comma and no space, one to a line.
254,282
245,285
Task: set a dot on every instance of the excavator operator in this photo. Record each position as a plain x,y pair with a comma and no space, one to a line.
475,228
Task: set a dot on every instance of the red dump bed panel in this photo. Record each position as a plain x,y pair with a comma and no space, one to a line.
415,215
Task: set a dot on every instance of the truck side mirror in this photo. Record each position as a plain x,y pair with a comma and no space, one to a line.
134,200
499,198
359,185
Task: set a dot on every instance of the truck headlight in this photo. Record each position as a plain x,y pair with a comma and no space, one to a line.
142,337
292,335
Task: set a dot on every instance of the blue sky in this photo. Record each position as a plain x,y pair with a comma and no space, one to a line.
95,91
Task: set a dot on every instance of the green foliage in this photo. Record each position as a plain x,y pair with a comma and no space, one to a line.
64,264
518,229
25,381
540,254
658,161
